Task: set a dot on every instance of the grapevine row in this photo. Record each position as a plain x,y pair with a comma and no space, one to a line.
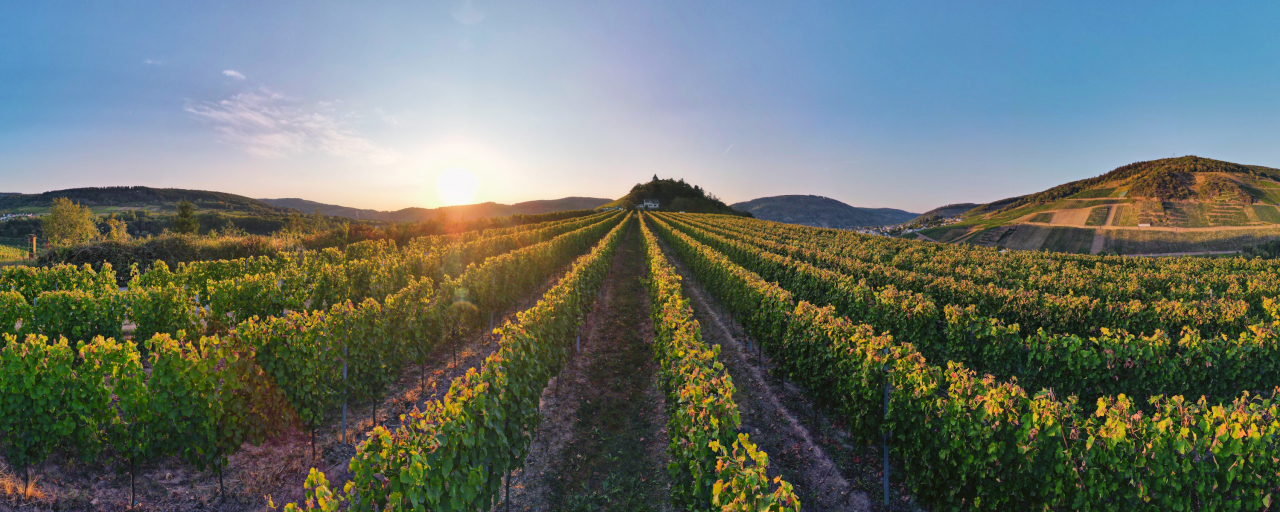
1089,367
966,442
452,456
202,399
192,299
1118,278
709,464
1028,308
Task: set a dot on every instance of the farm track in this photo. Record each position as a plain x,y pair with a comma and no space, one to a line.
602,441
277,468
805,446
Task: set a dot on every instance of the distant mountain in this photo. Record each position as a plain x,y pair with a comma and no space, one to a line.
674,195
158,199
462,212
821,211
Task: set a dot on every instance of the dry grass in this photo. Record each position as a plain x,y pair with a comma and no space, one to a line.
12,489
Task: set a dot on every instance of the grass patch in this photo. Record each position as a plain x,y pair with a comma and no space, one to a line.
1094,193
605,466
1098,216
1267,213
1044,217
1070,240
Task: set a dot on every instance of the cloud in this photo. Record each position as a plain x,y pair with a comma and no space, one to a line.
268,124
233,74
153,62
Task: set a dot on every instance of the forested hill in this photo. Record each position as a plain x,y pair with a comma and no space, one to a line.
461,212
819,211
158,199
675,196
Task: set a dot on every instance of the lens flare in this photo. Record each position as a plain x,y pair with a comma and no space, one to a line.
457,186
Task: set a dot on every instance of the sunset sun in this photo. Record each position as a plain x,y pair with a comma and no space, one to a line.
456,186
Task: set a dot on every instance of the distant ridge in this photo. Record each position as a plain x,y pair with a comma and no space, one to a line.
821,211
163,199
461,212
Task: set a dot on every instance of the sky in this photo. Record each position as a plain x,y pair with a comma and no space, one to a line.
388,105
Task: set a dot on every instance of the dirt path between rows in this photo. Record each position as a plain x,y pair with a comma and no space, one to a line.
602,441
771,412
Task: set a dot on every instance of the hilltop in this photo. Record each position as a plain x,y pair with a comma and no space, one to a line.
156,200
675,196
461,212
819,211
1169,205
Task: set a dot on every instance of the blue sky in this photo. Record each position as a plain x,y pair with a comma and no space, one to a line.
883,104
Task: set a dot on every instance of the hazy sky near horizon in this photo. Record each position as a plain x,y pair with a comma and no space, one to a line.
906,105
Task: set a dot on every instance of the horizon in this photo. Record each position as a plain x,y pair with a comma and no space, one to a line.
905,106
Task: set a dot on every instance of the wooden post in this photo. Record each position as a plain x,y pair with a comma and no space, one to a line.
32,238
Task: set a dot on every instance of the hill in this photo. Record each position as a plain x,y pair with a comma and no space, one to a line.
461,212
819,211
1169,205
950,210
106,199
675,196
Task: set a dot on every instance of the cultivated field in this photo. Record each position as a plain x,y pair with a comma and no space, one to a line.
657,361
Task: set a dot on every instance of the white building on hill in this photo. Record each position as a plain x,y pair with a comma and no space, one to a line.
649,204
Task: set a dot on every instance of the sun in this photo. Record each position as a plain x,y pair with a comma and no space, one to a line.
457,186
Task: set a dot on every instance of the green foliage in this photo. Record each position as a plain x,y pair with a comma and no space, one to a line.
968,442
676,195
304,361
166,308
1161,184
13,309
69,223
1094,193
1044,217
743,486
185,222
210,398
452,456
38,406
1098,216
702,416
79,315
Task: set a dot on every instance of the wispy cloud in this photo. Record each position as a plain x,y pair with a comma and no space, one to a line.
268,124
153,62
233,74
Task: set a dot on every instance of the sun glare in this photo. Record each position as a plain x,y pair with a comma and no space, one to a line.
457,186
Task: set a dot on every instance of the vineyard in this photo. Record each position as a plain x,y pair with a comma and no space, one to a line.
957,377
